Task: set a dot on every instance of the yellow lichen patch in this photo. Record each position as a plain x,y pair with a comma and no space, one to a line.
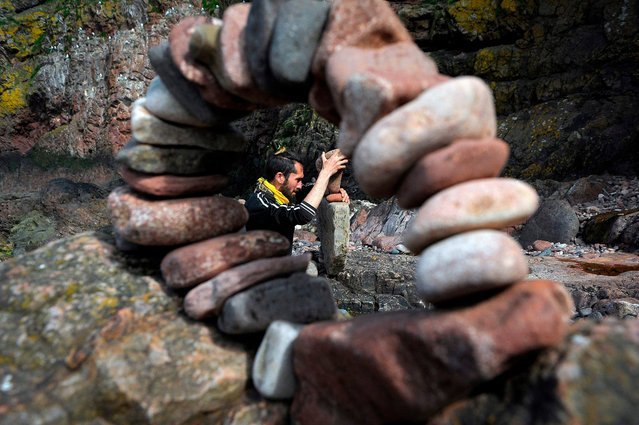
6,6
509,5
474,16
25,33
13,88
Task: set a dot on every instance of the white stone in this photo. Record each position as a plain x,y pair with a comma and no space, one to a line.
469,263
273,374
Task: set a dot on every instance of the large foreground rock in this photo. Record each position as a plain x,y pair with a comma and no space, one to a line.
88,336
405,366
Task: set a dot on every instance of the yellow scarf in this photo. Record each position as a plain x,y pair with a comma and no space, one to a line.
264,184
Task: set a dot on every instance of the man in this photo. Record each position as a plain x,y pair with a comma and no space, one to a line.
271,207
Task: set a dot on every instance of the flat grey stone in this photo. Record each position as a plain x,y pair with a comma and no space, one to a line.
299,298
161,103
272,372
149,129
257,41
180,161
297,32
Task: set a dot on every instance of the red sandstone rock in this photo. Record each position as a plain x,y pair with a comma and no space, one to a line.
334,197
540,245
207,298
179,42
404,366
163,222
187,266
465,159
361,23
172,185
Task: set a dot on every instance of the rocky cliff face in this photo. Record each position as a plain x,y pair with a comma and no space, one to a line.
563,73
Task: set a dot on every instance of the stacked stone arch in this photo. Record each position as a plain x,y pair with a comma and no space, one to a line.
410,132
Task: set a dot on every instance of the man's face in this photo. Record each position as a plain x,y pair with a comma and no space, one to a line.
294,182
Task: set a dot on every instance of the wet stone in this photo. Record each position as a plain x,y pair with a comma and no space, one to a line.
207,298
464,160
493,203
193,264
186,92
149,129
147,221
295,38
168,185
181,161
469,263
299,298
272,371
459,108
161,103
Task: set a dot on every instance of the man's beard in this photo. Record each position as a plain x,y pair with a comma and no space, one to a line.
287,192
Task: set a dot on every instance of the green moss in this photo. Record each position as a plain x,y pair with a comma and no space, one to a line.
53,160
14,86
6,249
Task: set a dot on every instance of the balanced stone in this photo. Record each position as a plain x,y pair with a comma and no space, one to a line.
465,159
207,298
257,41
402,367
161,103
185,91
196,71
362,23
298,30
460,108
334,183
468,263
169,185
299,298
321,101
367,84
173,221
193,264
272,371
486,203
149,129
230,64
171,160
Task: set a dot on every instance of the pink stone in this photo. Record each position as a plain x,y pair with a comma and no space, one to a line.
146,221
459,108
187,266
207,298
540,245
402,367
465,159
469,263
172,185
478,204
230,65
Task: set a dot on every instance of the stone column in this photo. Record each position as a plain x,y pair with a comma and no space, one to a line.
334,232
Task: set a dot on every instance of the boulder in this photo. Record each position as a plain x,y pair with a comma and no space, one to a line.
555,221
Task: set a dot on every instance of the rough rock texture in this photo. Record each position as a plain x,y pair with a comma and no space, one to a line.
89,336
334,228
554,221
386,218
404,366
590,379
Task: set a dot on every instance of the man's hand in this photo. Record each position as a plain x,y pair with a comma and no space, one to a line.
333,164
345,197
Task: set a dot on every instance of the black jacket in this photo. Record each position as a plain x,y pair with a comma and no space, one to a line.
266,214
